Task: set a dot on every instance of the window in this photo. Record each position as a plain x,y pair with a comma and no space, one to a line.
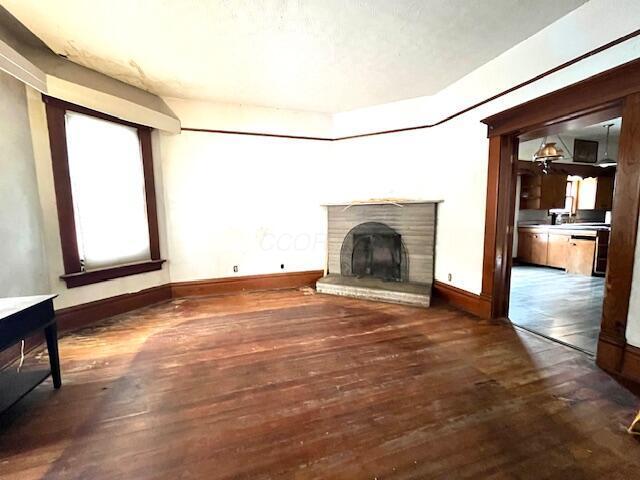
105,193
572,194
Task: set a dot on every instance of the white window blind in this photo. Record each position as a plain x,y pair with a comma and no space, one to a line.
107,185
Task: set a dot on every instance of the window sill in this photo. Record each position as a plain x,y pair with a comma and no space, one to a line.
100,275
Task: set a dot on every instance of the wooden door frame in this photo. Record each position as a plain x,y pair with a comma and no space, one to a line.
606,95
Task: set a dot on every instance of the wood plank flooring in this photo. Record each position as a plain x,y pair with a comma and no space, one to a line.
558,305
308,386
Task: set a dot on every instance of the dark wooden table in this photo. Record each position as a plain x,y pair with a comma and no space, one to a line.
21,317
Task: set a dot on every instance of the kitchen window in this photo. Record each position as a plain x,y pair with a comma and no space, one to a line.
105,194
572,194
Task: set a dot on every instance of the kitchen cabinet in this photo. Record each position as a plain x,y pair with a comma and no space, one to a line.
532,247
539,244
604,193
557,250
580,258
524,246
581,251
542,192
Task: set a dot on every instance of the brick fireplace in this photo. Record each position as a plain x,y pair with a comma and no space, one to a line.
381,250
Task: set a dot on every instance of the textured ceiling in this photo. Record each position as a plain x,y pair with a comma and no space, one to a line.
316,55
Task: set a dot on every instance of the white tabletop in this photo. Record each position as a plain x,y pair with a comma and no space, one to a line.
12,305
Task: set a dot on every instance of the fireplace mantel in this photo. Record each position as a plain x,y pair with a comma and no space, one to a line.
380,201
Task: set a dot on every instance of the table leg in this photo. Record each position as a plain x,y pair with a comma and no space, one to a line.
51,333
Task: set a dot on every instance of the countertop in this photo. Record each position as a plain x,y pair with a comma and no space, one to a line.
582,229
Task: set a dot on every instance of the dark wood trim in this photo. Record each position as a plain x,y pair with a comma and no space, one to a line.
616,90
491,215
88,277
479,305
144,135
624,227
540,76
599,92
62,185
226,285
86,314
610,353
499,219
596,115
620,359
63,105
74,276
80,316
529,168
631,363
257,134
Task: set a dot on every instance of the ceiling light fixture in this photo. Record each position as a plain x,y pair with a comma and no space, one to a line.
549,152
606,161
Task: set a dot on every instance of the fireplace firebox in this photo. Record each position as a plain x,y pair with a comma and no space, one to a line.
377,255
373,249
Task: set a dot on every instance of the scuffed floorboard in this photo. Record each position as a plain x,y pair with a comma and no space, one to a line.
287,385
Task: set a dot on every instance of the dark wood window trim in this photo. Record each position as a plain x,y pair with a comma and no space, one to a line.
74,276
615,92
100,275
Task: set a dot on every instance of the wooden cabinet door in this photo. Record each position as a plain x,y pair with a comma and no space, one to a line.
553,192
539,248
604,193
580,257
557,250
530,187
524,246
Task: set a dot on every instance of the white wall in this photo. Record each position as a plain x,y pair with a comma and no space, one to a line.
455,153
256,202
243,200
23,269
633,319
248,118
226,191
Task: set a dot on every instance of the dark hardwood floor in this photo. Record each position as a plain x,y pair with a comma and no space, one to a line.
558,305
292,385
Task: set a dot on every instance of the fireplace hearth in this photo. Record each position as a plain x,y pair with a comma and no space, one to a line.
381,250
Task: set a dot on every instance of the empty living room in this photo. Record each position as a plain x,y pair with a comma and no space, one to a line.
319,239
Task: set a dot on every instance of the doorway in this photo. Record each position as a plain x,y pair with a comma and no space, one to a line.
562,224
610,94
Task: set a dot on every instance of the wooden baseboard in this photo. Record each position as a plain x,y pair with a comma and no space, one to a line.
274,281
479,305
619,359
83,315
631,363
78,316
610,353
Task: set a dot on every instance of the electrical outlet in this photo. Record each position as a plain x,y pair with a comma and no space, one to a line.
449,277
235,269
